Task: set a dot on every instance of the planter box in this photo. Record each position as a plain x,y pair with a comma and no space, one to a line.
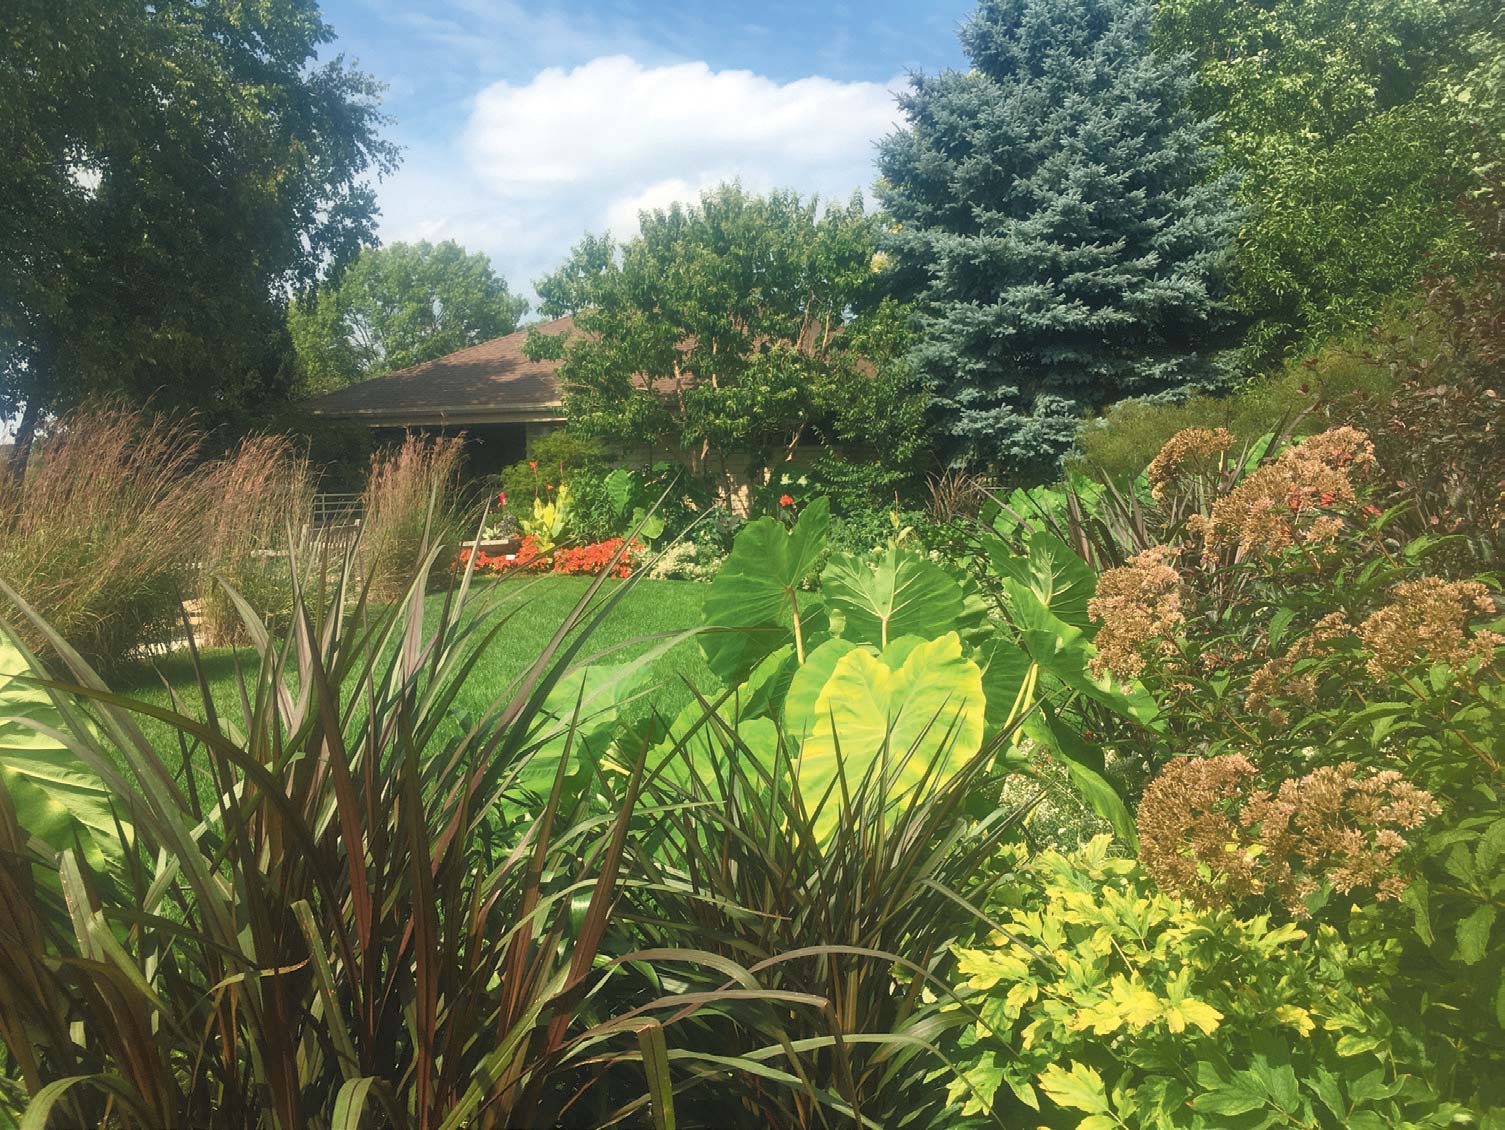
499,547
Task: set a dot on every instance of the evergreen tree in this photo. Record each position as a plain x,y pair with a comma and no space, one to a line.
1056,214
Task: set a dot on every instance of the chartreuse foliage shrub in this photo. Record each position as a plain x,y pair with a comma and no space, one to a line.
1103,1002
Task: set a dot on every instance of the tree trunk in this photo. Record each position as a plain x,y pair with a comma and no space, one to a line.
27,431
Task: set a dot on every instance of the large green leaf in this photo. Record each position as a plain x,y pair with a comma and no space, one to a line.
753,701
808,681
1007,680
57,798
755,605
902,594
917,696
1084,765
1060,580
1064,653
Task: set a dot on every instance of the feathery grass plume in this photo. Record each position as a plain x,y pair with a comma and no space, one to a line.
102,533
409,502
1139,604
1289,499
1428,619
262,493
1208,835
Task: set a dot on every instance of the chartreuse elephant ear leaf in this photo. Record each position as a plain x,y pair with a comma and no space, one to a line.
57,798
915,703
755,605
902,594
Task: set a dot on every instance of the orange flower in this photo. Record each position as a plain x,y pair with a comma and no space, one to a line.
785,500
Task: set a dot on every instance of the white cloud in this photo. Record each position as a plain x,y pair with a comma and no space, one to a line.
540,163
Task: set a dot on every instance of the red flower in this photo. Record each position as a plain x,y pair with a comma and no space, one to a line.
785,500
501,498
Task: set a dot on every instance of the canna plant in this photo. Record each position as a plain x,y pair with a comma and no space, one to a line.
315,912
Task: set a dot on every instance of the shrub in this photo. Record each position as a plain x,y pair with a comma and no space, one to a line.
409,503
1123,440
102,533
263,497
1104,1003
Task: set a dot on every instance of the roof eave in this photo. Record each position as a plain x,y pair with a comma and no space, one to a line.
443,414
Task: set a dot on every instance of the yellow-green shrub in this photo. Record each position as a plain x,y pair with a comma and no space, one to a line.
1104,1003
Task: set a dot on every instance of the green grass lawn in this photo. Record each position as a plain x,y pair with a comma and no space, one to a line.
537,606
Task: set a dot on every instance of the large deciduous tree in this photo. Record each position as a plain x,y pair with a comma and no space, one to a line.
1057,216
1358,125
173,171
399,305
745,323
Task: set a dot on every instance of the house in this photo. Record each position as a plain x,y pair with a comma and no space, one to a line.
501,400
492,392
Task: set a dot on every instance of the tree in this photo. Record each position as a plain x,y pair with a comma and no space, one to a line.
1058,222
723,326
1357,127
173,171
397,306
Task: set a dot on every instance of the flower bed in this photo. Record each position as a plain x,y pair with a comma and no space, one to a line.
563,559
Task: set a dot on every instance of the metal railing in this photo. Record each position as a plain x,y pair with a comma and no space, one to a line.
336,508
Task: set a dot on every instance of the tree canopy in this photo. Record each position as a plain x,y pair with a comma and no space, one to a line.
173,171
727,325
1357,127
1058,218
397,306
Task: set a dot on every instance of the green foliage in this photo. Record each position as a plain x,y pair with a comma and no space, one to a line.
173,171
1355,148
757,599
728,326
55,797
1056,216
1124,439
396,306
895,661
1103,1003
337,915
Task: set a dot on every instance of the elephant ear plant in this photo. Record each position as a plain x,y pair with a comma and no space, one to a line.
315,910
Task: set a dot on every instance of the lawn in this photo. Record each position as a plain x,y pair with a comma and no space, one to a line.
536,606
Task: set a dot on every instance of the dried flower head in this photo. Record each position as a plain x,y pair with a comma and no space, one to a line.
1190,452
1207,835
1277,678
1286,499
1188,829
1428,619
1337,826
1138,604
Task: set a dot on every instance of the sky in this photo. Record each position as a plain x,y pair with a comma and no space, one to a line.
525,126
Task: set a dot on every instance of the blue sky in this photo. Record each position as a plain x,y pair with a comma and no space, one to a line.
525,126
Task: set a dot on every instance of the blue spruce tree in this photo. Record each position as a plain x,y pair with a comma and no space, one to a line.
1056,214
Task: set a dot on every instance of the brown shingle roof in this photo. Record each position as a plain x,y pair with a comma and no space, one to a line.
493,382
